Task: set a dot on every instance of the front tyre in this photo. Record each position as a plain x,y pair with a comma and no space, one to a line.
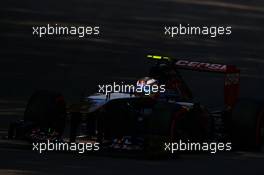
47,110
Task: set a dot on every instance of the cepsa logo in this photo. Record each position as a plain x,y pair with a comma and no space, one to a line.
201,66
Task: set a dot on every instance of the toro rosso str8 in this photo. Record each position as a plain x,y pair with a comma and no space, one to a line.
136,121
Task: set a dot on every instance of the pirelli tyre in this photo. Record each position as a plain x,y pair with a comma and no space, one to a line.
47,110
247,129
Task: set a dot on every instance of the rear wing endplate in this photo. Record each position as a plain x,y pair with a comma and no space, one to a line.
231,73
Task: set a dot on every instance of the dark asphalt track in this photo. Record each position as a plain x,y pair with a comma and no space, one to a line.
129,30
27,162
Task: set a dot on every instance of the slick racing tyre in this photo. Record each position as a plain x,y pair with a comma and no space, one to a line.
247,131
46,110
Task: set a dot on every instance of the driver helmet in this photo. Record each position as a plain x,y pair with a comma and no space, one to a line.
145,86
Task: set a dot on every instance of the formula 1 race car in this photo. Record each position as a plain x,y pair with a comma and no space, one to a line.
145,122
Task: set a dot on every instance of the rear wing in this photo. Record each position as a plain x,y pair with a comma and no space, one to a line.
231,73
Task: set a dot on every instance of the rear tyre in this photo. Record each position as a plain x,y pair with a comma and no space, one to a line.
247,132
47,110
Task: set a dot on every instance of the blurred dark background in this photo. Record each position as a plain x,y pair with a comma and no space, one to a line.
129,31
